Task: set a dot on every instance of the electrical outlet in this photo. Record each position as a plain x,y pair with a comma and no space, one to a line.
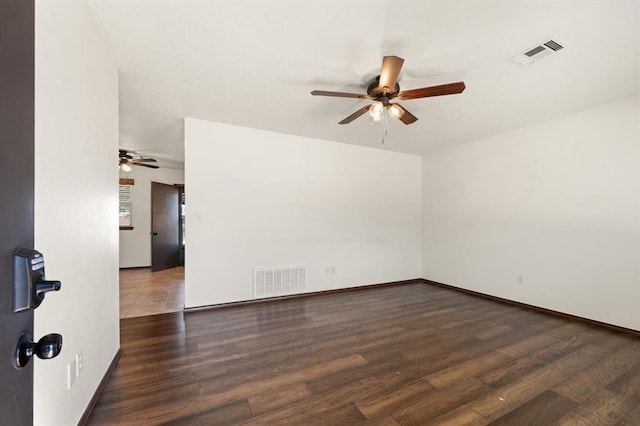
520,280
71,374
79,363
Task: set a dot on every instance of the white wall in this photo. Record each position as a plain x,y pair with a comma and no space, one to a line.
258,198
76,199
557,204
135,245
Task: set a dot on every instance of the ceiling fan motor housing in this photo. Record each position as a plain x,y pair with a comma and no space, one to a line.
374,90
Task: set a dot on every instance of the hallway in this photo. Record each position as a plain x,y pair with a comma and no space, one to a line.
143,292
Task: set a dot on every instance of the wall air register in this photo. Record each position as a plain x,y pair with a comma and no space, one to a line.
279,280
537,52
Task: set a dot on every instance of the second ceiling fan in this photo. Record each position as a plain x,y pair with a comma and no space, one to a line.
385,88
127,158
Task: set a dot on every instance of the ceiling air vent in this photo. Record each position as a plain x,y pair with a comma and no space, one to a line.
537,52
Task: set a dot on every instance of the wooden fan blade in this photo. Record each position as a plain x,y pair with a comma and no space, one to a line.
426,92
146,160
151,166
356,114
406,117
340,94
391,66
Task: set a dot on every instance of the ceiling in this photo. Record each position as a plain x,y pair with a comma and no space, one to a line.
253,63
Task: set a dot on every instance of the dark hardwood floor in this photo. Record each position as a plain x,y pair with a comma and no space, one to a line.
407,354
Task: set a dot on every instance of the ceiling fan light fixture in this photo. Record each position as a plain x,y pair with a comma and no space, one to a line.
125,167
395,111
376,110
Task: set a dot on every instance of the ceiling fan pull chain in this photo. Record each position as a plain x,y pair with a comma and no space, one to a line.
384,126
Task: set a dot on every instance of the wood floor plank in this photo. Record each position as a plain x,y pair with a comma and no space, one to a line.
327,406
628,384
433,404
461,416
406,354
515,369
121,410
340,378
442,343
612,341
347,414
632,418
509,397
469,368
233,413
601,409
493,331
586,382
381,403
404,374
527,345
545,409
265,401
266,382
509,372
384,421
373,340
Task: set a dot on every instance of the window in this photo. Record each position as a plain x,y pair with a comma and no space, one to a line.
124,213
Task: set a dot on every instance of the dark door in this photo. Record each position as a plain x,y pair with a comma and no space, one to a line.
165,226
181,235
16,197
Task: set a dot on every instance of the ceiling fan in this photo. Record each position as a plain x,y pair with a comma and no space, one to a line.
385,87
126,159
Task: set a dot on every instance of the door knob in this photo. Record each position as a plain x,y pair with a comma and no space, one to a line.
154,233
48,347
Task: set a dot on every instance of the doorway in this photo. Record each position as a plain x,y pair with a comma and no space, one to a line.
158,289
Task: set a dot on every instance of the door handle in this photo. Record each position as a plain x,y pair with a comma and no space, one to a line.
48,347
154,233
29,282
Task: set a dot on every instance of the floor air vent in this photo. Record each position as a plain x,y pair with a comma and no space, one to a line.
279,281
537,52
